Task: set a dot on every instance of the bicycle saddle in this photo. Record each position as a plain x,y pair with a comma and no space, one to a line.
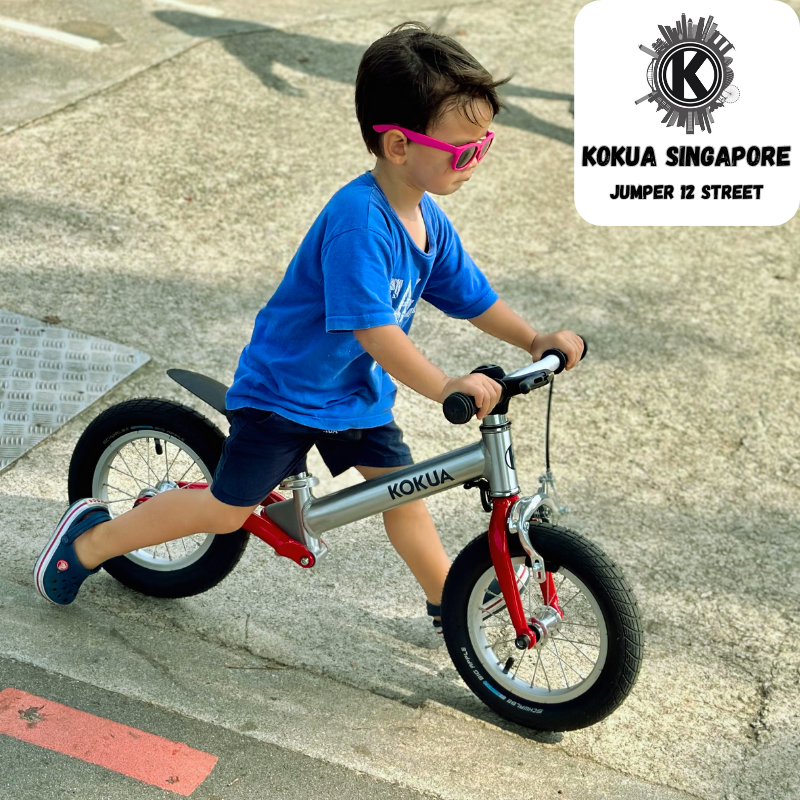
209,390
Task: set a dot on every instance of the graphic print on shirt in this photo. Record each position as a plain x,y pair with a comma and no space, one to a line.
406,306
396,285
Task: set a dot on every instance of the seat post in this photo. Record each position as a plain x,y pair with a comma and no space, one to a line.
300,486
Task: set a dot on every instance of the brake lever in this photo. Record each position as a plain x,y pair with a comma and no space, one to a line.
535,380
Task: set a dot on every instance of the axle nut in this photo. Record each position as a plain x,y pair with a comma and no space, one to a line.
305,561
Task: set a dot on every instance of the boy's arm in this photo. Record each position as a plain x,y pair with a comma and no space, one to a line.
457,287
398,356
502,323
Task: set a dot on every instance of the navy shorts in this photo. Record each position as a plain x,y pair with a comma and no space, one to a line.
262,448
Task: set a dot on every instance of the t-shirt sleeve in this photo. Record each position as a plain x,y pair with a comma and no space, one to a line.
456,286
356,269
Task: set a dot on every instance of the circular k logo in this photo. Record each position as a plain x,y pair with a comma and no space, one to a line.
690,75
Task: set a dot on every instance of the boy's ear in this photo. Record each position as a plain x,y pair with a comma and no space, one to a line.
395,146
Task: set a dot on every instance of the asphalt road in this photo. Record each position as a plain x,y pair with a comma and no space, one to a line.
246,768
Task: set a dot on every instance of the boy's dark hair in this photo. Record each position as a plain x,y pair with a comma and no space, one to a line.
413,76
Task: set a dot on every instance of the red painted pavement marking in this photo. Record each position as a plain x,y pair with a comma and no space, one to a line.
137,754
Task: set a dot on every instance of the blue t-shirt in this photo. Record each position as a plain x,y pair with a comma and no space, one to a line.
357,267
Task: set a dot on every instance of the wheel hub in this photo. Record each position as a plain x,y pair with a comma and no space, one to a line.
545,621
152,491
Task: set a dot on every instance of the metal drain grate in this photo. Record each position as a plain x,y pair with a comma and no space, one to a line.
48,375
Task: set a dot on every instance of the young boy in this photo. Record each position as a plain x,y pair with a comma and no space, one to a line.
317,369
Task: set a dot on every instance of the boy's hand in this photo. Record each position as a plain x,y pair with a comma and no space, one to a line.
569,343
482,389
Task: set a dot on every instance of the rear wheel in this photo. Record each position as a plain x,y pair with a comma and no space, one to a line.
135,450
585,666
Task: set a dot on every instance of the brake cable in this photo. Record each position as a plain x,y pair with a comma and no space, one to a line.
548,479
547,427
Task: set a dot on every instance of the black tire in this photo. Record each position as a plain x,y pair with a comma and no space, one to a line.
185,437
613,647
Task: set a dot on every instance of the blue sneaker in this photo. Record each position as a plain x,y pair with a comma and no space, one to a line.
493,601
58,573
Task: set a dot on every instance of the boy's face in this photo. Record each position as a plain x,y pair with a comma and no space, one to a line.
430,169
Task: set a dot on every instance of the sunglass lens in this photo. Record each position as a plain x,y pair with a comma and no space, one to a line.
465,157
485,148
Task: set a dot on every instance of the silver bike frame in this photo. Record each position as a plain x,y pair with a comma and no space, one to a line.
305,517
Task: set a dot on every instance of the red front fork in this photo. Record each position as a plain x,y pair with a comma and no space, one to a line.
506,577
265,529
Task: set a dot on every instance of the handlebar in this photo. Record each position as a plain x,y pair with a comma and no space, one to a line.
460,408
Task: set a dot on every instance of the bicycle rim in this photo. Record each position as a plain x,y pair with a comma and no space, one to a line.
563,666
130,468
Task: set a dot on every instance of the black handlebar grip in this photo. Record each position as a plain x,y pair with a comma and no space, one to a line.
459,408
562,358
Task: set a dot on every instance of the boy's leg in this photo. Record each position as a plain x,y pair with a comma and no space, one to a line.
412,533
164,517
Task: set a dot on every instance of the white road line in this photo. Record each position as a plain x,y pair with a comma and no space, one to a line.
205,11
52,34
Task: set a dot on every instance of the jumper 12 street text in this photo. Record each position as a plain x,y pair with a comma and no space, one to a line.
666,192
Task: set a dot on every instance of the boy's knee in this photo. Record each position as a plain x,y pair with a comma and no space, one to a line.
226,516
414,509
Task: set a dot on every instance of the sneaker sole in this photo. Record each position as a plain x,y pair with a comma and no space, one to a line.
44,559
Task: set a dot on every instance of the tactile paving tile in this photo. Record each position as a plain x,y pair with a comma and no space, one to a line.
48,375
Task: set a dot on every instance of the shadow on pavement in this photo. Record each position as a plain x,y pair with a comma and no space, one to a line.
336,61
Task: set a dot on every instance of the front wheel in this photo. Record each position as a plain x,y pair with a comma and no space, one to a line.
587,664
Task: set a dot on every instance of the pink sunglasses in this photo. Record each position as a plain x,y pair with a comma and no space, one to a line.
462,154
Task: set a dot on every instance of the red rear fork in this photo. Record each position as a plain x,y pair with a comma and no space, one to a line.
264,528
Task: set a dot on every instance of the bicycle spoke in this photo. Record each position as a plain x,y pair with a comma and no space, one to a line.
117,489
519,663
575,641
174,459
147,463
562,663
570,600
544,671
122,472
502,641
528,611
193,464
590,660
580,624
129,469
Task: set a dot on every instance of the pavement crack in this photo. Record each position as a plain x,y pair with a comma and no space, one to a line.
759,724
74,104
140,652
